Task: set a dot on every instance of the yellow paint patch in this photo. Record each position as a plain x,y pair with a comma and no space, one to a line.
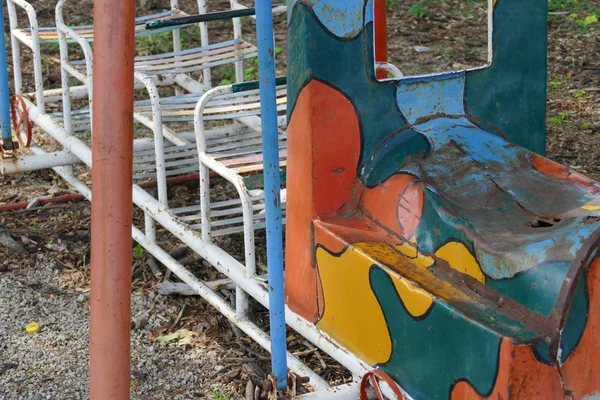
409,249
411,252
461,259
352,313
397,261
416,300
591,208
351,305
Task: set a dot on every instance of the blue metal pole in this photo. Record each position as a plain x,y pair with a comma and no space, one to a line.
268,107
4,95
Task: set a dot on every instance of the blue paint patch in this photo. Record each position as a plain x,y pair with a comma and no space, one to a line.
369,12
434,95
344,19
514,256
480,146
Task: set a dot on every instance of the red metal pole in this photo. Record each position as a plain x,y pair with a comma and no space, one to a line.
112,160
381,50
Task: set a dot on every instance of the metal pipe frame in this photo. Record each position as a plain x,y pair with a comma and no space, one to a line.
266,65
4,94
112,211
159,146
381,48
67,70
209,163
33,44
387,70
36,162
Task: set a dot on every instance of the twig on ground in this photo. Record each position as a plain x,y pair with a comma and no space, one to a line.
589,89
305,352
311,347
179,316
153,264
34,209
256,353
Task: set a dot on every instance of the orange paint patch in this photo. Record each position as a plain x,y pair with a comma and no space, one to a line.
557,171
520,377
323,153
396,204
354,230
581,371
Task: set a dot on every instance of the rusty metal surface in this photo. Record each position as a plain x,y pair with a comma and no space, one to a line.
112,158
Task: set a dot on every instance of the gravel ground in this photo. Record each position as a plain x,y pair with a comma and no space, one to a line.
53,364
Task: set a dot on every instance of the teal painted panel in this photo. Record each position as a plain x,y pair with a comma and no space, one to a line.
431,355
510,95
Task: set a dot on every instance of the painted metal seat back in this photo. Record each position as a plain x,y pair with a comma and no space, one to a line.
421,208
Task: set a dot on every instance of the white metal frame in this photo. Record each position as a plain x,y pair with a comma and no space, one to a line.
17,37
490,53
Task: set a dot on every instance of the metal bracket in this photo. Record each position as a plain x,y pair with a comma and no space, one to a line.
295,382
9,152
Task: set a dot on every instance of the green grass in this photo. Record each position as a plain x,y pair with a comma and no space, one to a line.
418,10
139,250
219,396
555,83
162,42
559,119
391,3
227,72
583,15
571,5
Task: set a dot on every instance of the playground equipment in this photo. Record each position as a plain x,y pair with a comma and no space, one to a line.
415,212
432,250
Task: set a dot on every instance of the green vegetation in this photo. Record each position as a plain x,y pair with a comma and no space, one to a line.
250,72
418,10
154,44
139,250
559,119
391,3
162,42
555,82
570,5
583,15
219,396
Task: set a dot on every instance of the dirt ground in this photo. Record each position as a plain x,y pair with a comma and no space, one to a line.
54,260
